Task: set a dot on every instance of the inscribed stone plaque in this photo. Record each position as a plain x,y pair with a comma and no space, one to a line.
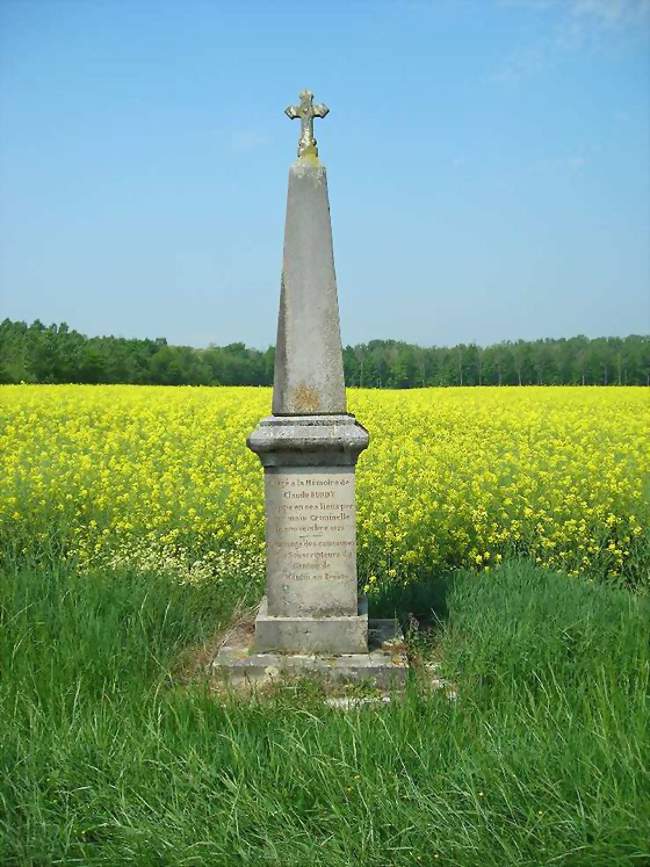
311,541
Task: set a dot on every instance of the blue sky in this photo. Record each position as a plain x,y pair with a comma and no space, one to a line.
487,161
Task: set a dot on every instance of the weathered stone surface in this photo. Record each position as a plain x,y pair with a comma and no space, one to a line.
311,634
383,663
311,552
308,440
310,533
308,363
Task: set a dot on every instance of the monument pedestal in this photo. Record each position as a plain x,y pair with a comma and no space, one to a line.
312,601
311,621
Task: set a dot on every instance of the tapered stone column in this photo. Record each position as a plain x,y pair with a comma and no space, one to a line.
309,361
310,445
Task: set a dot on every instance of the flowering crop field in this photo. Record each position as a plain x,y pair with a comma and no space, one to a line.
160,478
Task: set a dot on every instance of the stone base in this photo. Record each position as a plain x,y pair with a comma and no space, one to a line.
310,634
384,664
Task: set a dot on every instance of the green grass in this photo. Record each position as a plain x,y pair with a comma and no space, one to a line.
106,759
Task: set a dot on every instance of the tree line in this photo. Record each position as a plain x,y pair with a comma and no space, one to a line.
39,353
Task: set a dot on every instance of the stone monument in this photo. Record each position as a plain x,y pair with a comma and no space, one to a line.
311,617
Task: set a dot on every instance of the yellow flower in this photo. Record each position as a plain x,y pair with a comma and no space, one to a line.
452,476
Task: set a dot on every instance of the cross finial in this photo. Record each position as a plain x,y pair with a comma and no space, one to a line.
306,111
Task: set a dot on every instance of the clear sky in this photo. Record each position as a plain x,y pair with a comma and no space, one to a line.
488,165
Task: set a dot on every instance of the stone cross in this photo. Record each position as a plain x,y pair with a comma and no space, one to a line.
310,445
311,618
306,111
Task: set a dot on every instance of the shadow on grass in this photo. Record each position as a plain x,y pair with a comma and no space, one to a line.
425,600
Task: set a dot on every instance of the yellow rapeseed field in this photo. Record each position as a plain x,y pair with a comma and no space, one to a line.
161,478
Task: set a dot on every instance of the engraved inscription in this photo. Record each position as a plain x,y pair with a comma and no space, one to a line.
311,537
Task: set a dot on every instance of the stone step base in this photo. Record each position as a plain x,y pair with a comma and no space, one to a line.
338,634
384,664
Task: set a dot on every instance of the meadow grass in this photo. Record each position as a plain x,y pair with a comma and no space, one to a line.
108,757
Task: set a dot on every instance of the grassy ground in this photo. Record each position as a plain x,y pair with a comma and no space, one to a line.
107,759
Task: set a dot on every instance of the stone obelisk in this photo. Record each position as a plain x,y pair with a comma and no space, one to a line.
310,444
